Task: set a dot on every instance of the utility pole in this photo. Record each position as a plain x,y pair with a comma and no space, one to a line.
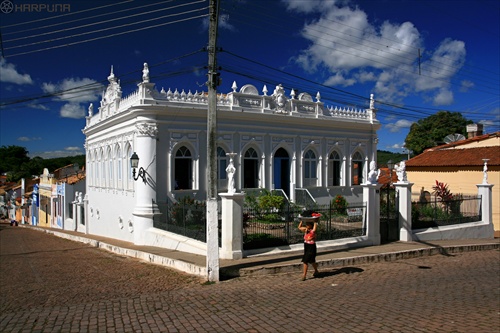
212,83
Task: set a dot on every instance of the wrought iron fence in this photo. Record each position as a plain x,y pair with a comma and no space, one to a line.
186,217
278,227
435,213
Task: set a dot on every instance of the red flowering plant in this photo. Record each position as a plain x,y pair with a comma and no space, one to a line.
339,205
450,201
442,191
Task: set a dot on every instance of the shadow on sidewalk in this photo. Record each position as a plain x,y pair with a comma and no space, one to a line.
441,249
343,270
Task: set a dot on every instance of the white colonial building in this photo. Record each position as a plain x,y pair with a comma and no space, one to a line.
281,140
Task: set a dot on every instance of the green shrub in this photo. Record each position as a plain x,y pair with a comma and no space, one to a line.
339,204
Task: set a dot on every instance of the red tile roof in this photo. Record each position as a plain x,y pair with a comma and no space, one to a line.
384,177
467,141
445,155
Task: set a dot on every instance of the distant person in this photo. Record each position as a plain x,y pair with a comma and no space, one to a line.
310,250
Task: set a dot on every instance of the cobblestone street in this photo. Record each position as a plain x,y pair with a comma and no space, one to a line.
51,284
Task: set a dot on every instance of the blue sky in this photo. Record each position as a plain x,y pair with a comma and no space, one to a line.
415,56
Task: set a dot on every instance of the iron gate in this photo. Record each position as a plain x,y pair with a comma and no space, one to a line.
389,215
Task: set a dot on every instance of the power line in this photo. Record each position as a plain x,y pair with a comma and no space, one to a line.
102,22
408,111
99,84
107,36
114,27
77,20
262,20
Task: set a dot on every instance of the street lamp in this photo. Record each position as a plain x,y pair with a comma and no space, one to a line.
134,163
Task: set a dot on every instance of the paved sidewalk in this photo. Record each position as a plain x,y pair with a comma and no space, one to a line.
53,284
284,262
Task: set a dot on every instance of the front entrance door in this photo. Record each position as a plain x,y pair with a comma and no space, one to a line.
281,163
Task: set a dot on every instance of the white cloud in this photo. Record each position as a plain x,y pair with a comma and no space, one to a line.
443,63
9,73
72,110
339,80
74,90
26,139
308,6
57,153
353,50
223,23
38,106
398,125
395,146
466,85
444,97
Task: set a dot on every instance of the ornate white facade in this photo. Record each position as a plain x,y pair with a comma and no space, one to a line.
280,141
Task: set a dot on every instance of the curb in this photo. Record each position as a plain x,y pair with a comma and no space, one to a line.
232,272
141,255
365,259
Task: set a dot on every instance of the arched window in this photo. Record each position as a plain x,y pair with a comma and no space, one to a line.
90,173
222,160
334,169
119,166
251,169
130,181
109,157
102,173
310,168
183,169
357,169
95,166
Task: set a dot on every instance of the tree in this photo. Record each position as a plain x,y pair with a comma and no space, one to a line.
15,162
431,131
11,160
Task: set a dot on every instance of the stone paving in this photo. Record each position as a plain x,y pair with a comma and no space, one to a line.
51,284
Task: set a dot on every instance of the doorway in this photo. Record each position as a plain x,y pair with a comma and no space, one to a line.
281,165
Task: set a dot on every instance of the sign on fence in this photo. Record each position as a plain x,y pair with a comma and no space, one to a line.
354,212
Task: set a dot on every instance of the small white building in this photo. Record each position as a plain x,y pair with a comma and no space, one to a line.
281,141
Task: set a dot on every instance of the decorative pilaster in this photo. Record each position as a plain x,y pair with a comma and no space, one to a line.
145,189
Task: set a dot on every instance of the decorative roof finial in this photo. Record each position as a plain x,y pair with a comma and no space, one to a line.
145,73
485,170
111,77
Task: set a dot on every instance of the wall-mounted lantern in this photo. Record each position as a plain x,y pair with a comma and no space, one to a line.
134,163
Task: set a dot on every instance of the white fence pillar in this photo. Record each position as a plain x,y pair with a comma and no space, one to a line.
485,191
232,225
371,193
404,196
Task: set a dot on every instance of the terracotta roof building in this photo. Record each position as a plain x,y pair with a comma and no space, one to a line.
460,165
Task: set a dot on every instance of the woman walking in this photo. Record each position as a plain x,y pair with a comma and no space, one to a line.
309,256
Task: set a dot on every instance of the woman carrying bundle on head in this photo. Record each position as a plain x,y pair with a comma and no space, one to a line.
309,231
